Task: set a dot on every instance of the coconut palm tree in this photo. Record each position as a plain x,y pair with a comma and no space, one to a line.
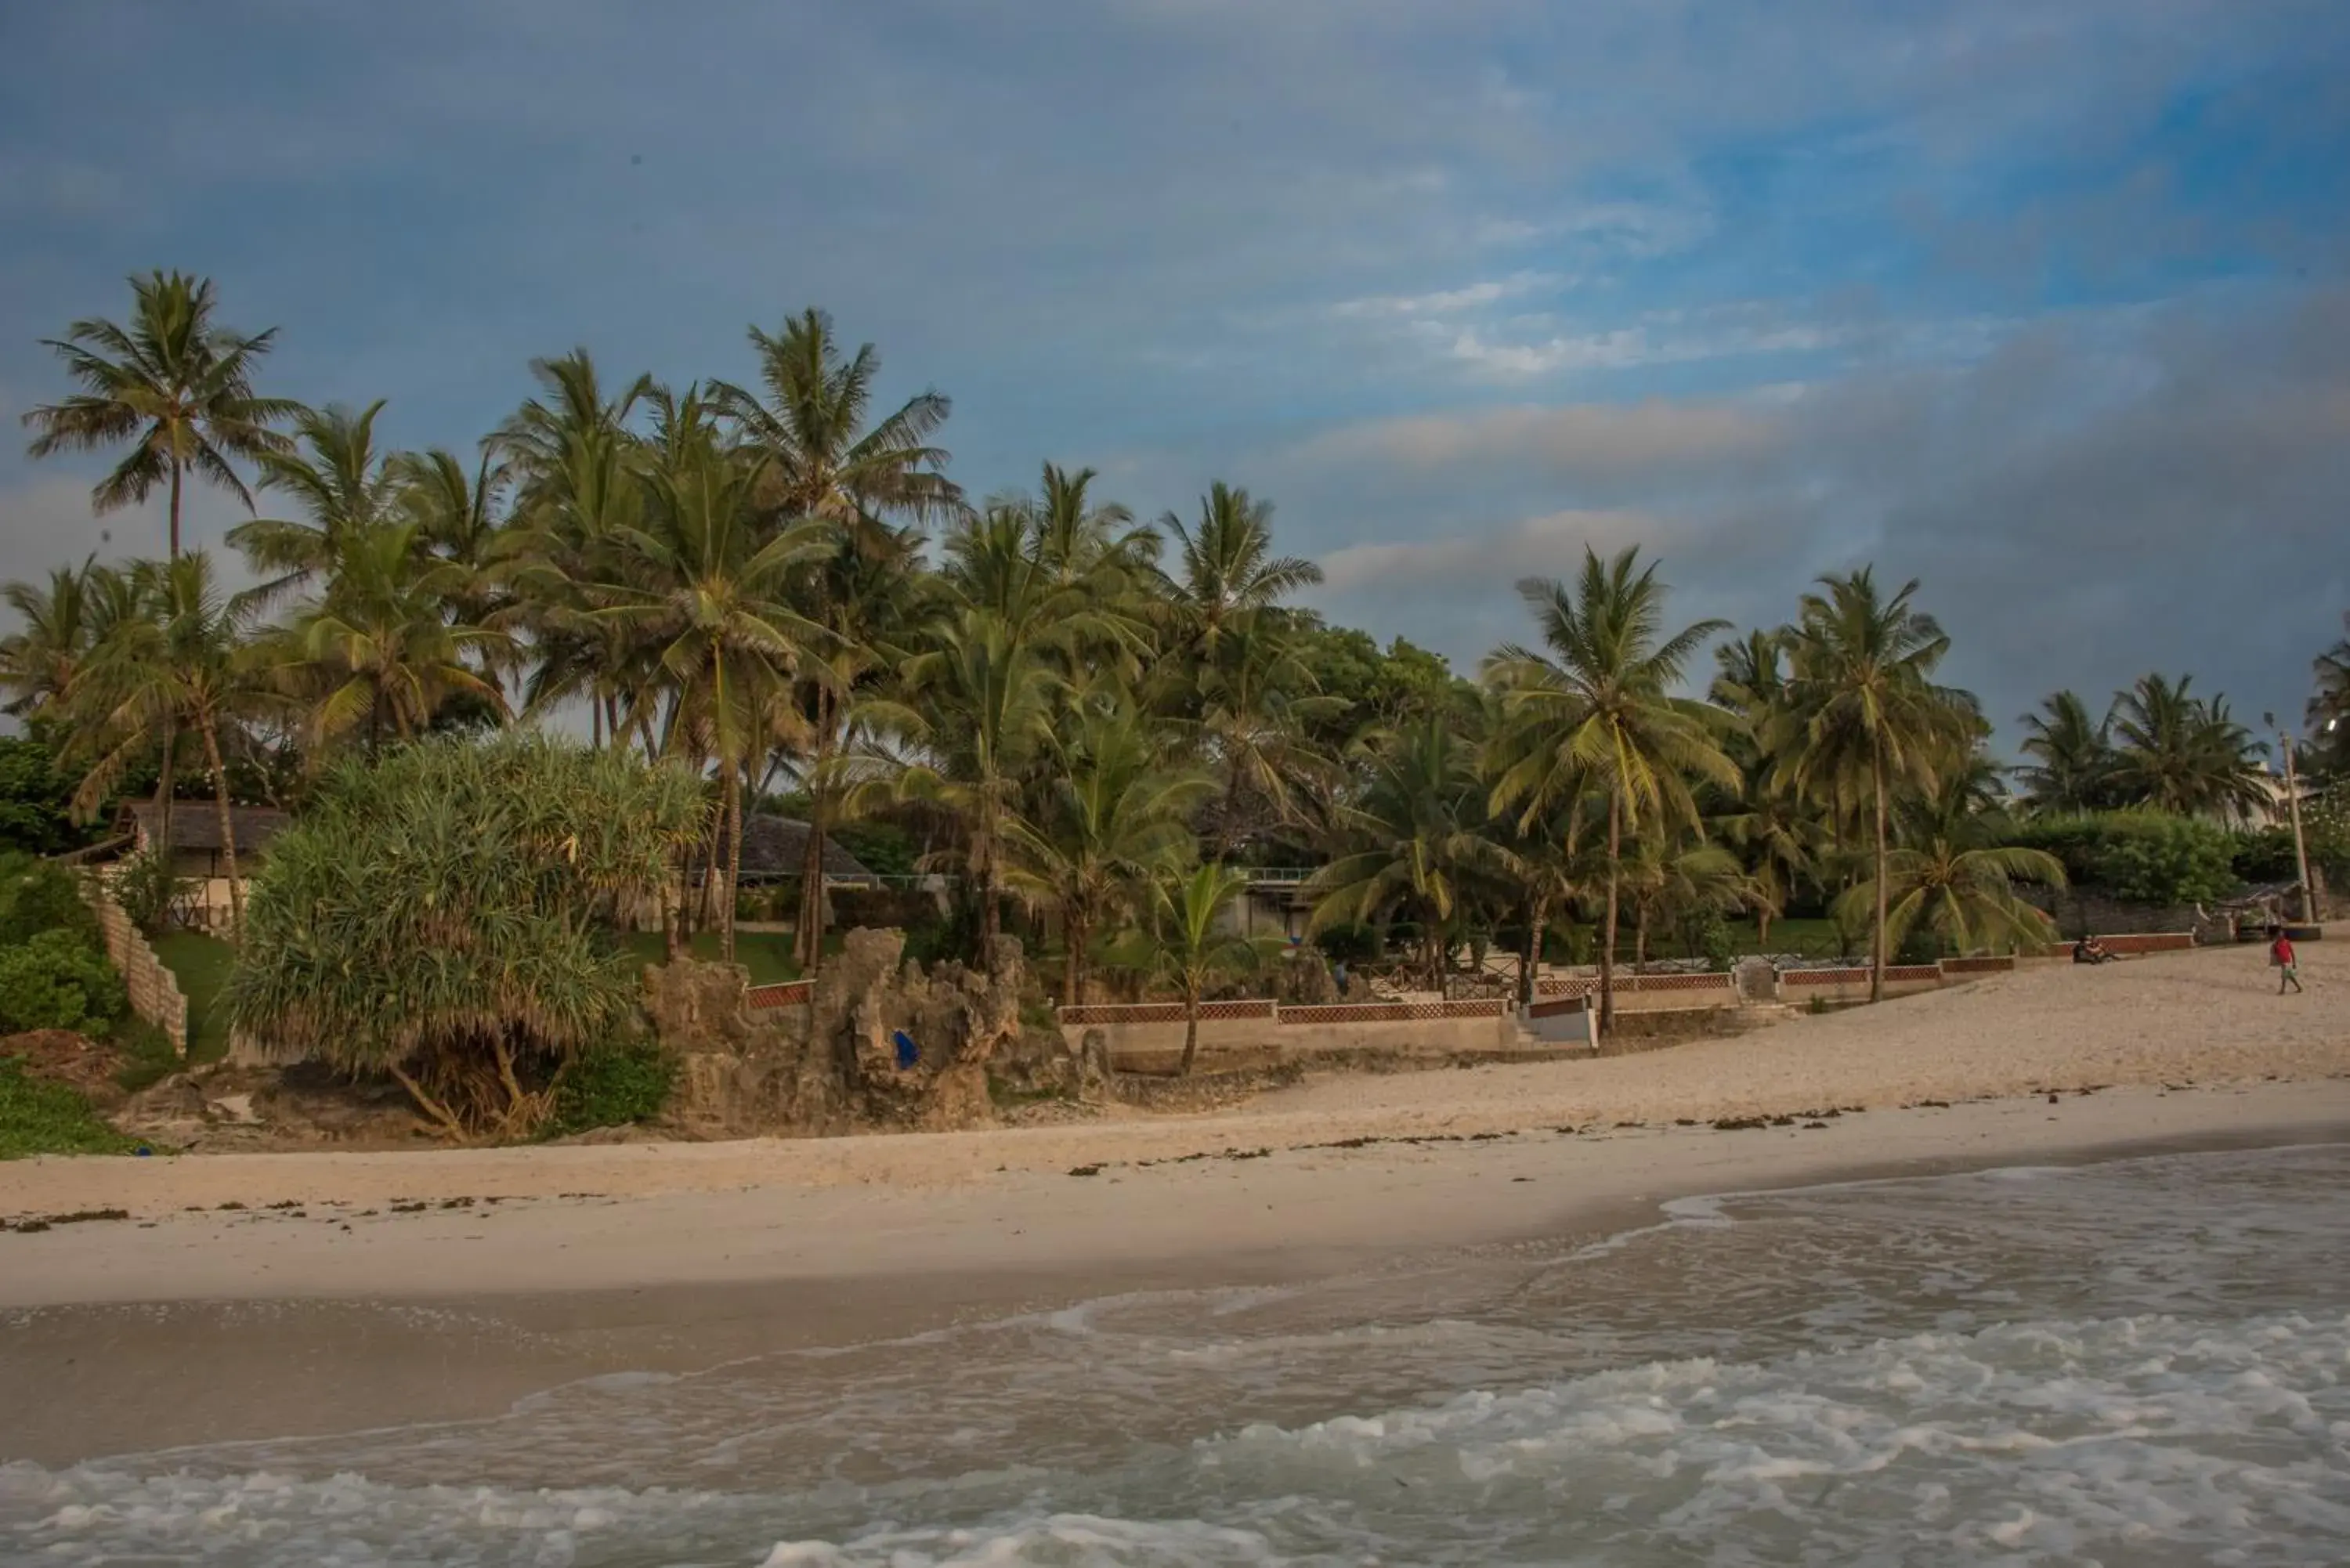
1112,809
175,386
1188,903
340,483
2177,752
981,704
1414,842
826,457
56,627
1225,570
1864,717
2072,754
1670,880
1963,890
381,647
1598,709
705,587
185,664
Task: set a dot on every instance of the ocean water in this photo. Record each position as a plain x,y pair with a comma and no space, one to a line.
2139,1365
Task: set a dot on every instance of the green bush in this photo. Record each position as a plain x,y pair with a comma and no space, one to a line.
57,980
612,1083
144,885
2140,857
2264,855
38,1118
148,1058
39,895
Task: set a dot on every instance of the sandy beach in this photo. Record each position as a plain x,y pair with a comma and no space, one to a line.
264,1293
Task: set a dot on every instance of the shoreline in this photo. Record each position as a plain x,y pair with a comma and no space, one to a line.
208,1327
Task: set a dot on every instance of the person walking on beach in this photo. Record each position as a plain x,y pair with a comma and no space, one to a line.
2288,970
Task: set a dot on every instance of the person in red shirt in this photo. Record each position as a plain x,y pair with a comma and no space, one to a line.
2288,970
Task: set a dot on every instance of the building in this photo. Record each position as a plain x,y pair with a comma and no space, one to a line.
197,852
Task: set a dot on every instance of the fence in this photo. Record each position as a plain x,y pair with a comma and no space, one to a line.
153,989
781,993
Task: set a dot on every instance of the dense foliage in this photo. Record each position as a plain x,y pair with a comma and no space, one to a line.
446,915
770,589
39,895
57,980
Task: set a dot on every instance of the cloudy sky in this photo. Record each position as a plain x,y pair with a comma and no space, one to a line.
2045,305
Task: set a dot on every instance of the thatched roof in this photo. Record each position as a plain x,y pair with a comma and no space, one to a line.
195,823
775,845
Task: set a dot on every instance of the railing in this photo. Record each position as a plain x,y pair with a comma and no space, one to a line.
781,993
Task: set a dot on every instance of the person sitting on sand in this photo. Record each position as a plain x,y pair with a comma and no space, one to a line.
2281,955
2089,950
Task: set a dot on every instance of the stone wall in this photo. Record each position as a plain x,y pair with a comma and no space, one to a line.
155,989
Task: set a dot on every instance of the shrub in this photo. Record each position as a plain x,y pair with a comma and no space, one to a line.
2140,857
2264,855
443,915
41,1117
148,1058
57,980
144,885
612,1083
39,895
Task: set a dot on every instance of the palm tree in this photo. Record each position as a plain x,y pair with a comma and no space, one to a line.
1414,842
981,706
185,664
2177,752
1865,715
1112,810
2072,754
56,627
1186,904
380,646
173,384
1670,880
824,460
343,486
1964,891
704,586
1599,708
1226,570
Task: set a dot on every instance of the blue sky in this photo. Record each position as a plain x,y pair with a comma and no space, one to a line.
2045,305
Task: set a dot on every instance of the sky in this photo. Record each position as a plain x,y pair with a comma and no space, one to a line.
2045,306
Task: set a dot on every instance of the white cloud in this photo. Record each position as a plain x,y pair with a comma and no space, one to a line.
1548,545
1450,301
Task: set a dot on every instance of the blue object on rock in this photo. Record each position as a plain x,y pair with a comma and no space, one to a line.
908,1052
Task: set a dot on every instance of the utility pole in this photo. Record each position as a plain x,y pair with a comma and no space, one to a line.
2300,848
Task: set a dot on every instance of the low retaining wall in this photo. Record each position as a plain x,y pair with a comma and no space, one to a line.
155,989
1851,984
1149,1035
2130,944
781,993
1648,992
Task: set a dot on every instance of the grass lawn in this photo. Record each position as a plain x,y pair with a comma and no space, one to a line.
766,954
201,963
48,1118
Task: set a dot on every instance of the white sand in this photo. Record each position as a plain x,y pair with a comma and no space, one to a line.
577,1218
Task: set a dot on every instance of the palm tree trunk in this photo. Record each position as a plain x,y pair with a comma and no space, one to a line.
175,508
227,829
734,865
1190,1030
807,935
991,914
163,795
1639,933
1073,966
1537,919
1762,927
1608,936
1877,939
594,725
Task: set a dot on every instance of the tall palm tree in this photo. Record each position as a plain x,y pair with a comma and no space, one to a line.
1599,707
982,703
186,664
174,385
703,584
1112,809
2177,752
826,457
1865,715
2072,754
1187,905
